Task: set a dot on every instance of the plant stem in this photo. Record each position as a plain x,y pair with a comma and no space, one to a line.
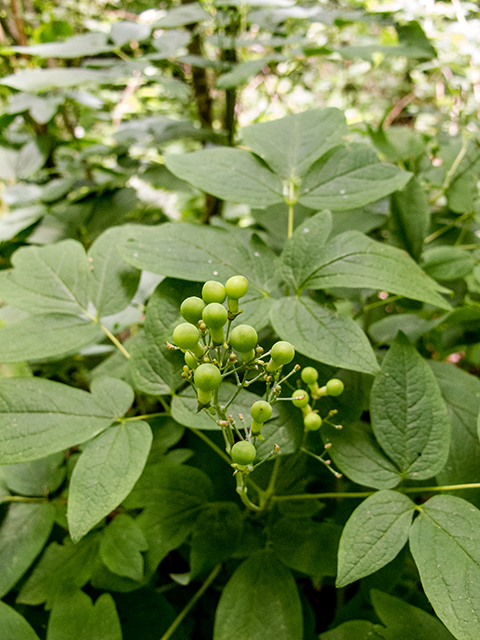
270,490
290,221
366,494
144,417
115,341
211,444
178,620
242,492
4,499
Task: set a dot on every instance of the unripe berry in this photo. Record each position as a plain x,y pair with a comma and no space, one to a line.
215,315
207,377
312,421
283,352
334,387
213,291
186,336
243,338
236,287
309,375
192,308
303,398
191,360
261,411
243,453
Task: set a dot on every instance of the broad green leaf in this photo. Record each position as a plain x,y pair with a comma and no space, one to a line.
402,620
349,178
36,478
121,547
217,533
173,496
355,630
180,16
17,220
356,453
199,253
23,534
113,281
37,80
184,406
105,473
13,626
410,217
301,250
53,335
323,335
445,544
385,330
20,164
230,174
260,602
243,72
461,393
447,263
374,534
113,395
124,32
89,44
352,259
40,417
50,279
307,546
291,144
285,430
61,569
409,417
74,616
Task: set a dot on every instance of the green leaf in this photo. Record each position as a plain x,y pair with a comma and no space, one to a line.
409,417
199,253
124,32
89,44
13,626
217,533
16,165
173,496
40,417
352,259
113,282
410,218
260,601
374,534
461,393
355,630
307,546
349,178
52,335
301,250
243,72
51,279
17,220
323,335
385,330
74,616
105,473
37,80
36,478
230,174
183,15
61,569
121,547
115,396
356,453
291,144
406,621
445,544
447,263
23,534
284,430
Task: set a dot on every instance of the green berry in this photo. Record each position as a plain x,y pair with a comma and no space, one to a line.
309,375
191,360
236,287
334,387
243,338
207,377
186,336
303,398
215,315
213,291
243,452
312,421
192,309
283,352
261,411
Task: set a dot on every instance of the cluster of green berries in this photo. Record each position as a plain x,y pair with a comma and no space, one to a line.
334,387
